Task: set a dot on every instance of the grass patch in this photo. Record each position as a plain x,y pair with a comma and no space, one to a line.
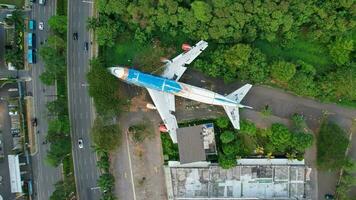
170,150
17,3
139,132
307,51
62,7
128,52
123,53
331,144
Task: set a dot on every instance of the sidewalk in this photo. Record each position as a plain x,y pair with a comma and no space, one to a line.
31,133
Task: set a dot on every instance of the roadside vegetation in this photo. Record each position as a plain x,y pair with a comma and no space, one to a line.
53,54
306,47
332,155
18,3
106,134
14,52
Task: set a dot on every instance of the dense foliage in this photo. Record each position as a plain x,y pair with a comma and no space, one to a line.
105,137
331,144
14,52
103,87
277,140
303,46
347,180
170,150
53,51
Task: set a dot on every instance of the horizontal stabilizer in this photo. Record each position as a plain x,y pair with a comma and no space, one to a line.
233,113
240,93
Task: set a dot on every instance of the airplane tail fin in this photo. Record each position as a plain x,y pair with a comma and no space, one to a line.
233,111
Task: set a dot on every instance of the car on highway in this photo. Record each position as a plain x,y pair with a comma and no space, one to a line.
40,26
86,46
75,36
42,2
80,143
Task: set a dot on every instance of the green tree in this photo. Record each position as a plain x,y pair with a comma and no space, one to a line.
58,106
106,29
230,149
226,162
340,50
340,85
104,88
202,11
227,136
248,128
223,122
103,163
59,138
58,24
301,141
105,137
106,182
280,137
282,71
331,146
303,84
64,190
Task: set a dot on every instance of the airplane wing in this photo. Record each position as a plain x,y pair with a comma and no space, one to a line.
175,68
165,103
233,113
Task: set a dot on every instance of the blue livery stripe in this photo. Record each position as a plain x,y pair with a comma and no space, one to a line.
153,82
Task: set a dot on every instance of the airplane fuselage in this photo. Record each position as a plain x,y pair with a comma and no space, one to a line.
171,86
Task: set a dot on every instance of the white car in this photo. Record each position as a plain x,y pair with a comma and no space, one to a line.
80,143
40,26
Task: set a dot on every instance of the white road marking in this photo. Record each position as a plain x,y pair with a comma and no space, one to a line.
87,1
130,165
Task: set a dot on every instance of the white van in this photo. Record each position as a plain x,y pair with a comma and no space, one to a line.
42,2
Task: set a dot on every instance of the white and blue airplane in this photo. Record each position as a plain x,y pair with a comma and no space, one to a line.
163,89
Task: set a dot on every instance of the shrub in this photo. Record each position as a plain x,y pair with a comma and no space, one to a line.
248,128
227,162
230,149
283,71
280,137
227,136
222,122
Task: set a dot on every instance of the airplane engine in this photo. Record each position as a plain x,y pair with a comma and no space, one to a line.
151,106
186,47
163,128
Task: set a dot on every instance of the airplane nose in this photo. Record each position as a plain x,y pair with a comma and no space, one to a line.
118,72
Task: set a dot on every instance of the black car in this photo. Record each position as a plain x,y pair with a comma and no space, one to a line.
75,36
86,46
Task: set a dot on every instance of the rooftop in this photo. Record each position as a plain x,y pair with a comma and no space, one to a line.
195,142
258,181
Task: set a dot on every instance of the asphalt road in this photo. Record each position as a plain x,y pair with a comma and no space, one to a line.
80,109
45,176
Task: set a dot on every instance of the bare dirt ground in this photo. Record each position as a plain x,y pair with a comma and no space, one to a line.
138,167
